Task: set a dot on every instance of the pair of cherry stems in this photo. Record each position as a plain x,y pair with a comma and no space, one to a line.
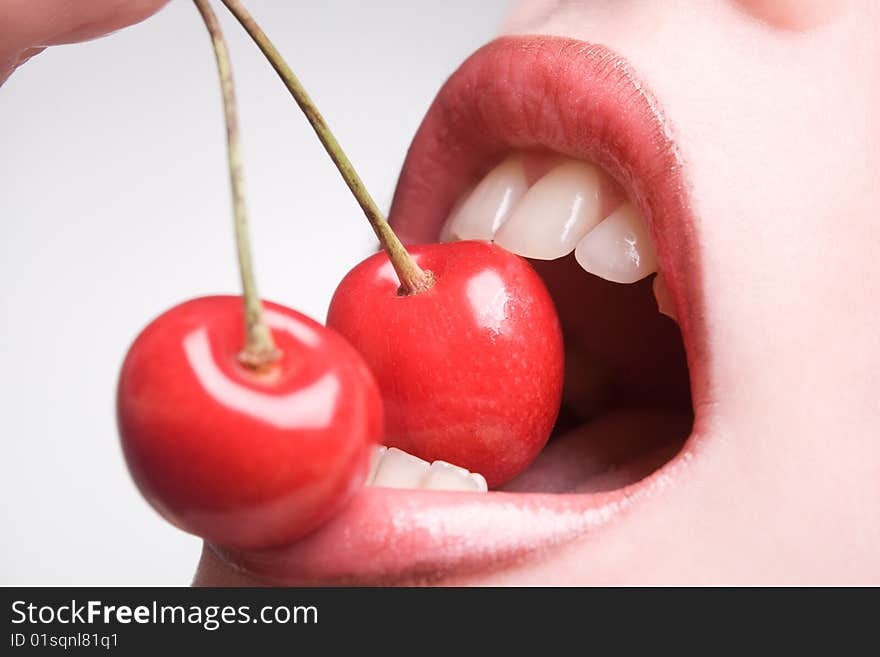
260,349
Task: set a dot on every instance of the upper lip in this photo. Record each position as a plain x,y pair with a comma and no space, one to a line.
580,100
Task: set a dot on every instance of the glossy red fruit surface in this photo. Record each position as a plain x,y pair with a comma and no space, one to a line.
241,458
470,370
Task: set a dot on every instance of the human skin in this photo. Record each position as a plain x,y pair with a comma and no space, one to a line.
774,105
27,27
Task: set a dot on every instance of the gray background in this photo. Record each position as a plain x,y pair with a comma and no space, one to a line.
114,206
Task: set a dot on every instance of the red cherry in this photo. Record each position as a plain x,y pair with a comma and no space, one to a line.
470,369
469,357
243,457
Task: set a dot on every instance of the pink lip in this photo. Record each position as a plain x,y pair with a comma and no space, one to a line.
562,95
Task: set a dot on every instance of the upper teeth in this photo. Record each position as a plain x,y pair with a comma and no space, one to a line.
555,214
394,468
664,299
565,210
618,249
483,210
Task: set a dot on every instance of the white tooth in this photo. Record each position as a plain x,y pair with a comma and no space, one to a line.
375,460
400,470
619,248
486,208
555,213
445,476
446,232
394,468
479,482
663,297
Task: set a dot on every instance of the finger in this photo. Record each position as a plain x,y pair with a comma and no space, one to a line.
30,23
27,26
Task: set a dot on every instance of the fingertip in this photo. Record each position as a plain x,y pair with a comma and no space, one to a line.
32,23
28,26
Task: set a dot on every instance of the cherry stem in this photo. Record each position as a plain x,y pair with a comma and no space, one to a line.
413,279
259,349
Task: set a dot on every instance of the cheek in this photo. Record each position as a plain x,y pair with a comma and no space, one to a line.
794,14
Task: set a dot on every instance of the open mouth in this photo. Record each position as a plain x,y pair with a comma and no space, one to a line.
556,150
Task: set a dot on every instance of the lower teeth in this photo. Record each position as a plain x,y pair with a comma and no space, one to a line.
394,468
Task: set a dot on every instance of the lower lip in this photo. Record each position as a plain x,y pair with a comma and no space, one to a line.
402,536
388,536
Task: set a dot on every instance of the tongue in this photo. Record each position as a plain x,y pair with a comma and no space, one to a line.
609,452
